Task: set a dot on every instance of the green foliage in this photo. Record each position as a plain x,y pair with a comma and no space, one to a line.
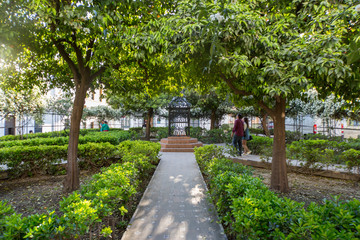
42,155
109,193
148,149
196,132
161,132
113,137
260,145
138,130
249,210
313,152
102,113
351,157
95,155
212,105
50,134
30,160
292,136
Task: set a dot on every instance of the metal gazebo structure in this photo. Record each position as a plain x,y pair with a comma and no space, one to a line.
179,117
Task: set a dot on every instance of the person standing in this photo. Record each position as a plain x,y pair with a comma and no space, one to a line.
238,133
104,126
246,136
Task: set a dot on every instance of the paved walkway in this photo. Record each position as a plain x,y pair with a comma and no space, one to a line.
174,205
292,162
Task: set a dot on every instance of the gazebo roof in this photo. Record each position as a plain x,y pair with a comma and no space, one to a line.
179,102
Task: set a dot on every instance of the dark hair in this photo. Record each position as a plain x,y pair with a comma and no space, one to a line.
246,120
105,122
239,115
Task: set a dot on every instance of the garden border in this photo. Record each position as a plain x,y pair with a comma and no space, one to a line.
297,169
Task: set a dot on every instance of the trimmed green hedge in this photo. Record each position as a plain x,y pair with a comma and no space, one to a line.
313,152
107,196
260,145
43,155
64,133
113,137
33,160
249,210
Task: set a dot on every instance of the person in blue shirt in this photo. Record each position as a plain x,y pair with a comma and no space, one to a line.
104,126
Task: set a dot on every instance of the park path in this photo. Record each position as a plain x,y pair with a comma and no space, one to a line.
174,205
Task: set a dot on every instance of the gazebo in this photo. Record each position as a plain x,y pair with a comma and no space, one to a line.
179,117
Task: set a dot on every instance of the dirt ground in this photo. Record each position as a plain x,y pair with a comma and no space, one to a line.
37,194
308,188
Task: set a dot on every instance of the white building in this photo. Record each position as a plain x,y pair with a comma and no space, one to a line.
54,122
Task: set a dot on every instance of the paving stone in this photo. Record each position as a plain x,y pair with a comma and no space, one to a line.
175,205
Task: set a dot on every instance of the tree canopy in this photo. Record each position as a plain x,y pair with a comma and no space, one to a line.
70,44
272,51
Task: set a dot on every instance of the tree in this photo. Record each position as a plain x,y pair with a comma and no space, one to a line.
22,104
103,112
272,51
210,105
141,104
70,44
61,105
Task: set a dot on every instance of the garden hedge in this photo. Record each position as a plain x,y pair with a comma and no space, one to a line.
249,210
113,137
64,133
106,197
313,152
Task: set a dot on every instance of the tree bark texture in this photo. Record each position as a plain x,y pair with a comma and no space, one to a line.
212,120
150,114
72,182
279,180
264,124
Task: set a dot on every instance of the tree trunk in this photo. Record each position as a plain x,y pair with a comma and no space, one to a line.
212,120
263,123
72,182
150,114
279,179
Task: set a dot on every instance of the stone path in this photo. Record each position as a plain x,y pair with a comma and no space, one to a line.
174,205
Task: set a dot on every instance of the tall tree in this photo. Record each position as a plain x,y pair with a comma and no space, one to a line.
272,51
103,112
210,105
23,105
141,104
70,44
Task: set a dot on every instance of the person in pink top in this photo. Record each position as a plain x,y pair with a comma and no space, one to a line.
238,133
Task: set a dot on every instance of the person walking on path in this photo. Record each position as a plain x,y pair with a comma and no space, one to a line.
246,137
238,133
104,126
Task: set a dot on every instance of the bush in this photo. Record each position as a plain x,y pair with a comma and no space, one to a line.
249,210
30,160
148,149
260,145
107,195
96,155
138,130
351,158
196,132
216,136
292,136
64,133
113,137
320,151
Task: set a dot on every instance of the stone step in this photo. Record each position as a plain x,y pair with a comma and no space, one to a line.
178,141
177,150
179,137
189,145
